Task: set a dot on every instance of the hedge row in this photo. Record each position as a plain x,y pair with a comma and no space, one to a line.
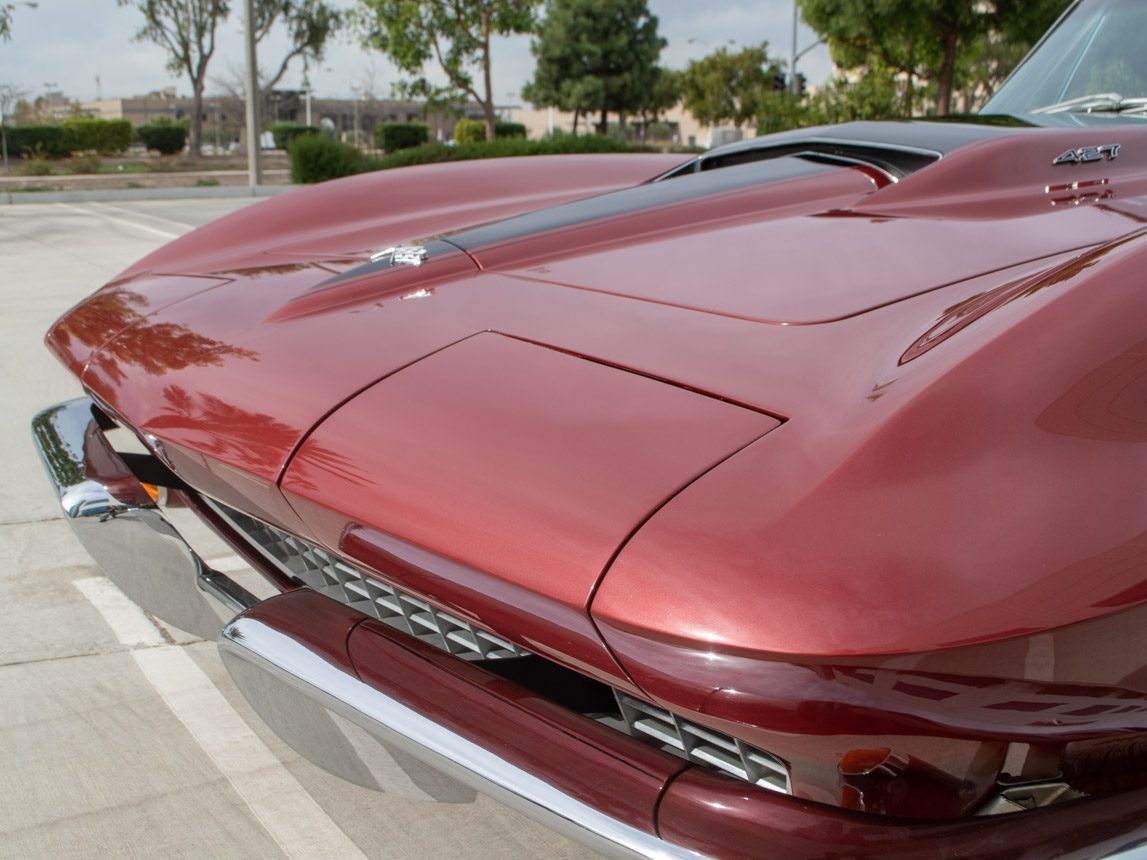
474,130
284,132
316,159
105,136
165,138
393,136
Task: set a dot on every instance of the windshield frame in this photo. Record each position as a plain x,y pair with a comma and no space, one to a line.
1015,97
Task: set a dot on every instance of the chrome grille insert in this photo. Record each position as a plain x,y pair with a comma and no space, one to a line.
702,745
334,578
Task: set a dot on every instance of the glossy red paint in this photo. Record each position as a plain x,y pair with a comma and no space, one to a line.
563,437
558,460
324,625
939,502
718,818
566,750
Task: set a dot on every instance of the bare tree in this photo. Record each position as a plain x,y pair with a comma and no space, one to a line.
186,29
309,24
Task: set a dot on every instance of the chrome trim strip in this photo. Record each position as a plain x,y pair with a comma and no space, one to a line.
123,530
250,643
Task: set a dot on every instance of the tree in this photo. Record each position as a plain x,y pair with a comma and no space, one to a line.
596,56
726,87
186,29
930,40
309,25
453,34
6,10
666,91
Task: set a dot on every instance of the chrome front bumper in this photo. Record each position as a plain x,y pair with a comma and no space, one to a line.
124,530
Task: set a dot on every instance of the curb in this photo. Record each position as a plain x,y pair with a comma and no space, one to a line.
97,194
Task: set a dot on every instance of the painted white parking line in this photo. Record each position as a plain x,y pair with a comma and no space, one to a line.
134,213
291,817
127,621
228,564
91,213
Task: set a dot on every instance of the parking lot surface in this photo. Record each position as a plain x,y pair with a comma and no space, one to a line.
120,736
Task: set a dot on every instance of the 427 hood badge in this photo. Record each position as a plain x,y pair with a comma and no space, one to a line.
1084,154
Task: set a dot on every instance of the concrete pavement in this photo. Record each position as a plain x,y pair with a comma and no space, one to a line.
120,736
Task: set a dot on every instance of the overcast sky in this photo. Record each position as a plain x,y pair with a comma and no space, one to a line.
69,44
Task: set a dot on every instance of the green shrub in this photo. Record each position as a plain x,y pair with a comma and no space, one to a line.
34,164
81,164
105,136
469,131
474,130
165,137
284,132
510,129
393,136
28,141
316,158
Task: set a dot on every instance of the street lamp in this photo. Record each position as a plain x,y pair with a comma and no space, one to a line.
254,168
795,54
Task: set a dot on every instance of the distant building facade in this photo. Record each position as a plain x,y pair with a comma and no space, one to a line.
353,120
676,126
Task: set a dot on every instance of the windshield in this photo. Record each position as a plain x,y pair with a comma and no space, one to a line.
1092,66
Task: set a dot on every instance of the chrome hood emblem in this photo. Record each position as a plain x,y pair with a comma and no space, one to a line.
1084,154
402,255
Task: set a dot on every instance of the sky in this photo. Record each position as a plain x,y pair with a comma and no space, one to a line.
69,45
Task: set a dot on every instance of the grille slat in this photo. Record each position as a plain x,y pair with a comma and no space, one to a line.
703,745
342,582
334,578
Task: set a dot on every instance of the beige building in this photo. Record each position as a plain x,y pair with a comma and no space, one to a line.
677,126
141,109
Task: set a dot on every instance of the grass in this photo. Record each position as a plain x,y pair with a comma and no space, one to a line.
130,167
206,183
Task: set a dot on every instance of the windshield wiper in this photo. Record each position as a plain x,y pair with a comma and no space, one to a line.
1096,103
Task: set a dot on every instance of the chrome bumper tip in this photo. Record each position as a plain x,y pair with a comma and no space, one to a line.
123,530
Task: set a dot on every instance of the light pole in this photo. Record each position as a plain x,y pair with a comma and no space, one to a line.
307,91
357,138
254,169
794,54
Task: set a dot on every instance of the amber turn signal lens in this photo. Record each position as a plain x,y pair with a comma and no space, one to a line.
888,783
153,491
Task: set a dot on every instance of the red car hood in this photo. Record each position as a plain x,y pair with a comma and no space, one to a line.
517,408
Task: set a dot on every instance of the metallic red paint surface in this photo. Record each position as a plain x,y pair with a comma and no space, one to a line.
520,462
941,503
566,750
719,818
955,492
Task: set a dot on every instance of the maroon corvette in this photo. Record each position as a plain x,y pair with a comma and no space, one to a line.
787,502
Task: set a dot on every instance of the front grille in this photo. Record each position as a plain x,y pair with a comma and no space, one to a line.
332,577
702,745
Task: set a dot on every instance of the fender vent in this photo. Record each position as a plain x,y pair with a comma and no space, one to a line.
702,745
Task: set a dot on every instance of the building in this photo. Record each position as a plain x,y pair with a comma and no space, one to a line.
676,127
